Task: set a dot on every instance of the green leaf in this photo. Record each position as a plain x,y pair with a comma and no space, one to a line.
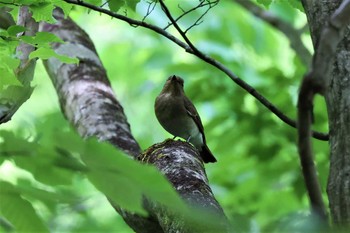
266,3
132,4
46,53
66,7
8,77
42,12
41,39
36,159
43,53
94,2
296,4
67,60
49,197
115,5
11,63
19,211
125,181
14,29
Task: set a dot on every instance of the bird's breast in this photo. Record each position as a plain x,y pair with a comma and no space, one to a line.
172,115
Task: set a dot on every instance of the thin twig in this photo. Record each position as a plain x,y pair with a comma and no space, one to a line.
199,20
150,9
201,4
105,3
209,60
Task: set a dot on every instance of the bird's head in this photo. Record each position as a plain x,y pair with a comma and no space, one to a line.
174,85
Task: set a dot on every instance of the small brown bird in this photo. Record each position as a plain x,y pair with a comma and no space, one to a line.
176,113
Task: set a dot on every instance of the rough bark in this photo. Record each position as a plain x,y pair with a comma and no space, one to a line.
184,168
25,71
337,95
89,103
86,97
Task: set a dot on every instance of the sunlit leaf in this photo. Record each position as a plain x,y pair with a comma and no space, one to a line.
130,179
46,53
43,12
19,211
266,3
115,5
13,30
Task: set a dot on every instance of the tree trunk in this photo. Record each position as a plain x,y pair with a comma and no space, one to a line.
337,97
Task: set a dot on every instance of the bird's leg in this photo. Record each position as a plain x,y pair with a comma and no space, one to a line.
189,138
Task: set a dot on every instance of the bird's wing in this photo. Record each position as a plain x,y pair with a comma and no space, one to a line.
191,111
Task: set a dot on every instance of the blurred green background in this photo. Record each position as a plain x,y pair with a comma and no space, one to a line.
257,178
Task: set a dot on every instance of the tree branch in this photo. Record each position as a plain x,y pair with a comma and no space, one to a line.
84,89
290,32
193,50
89,104
87,99
316,81
25,71
181,164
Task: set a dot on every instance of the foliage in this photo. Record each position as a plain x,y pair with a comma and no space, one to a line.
257,179
67,155
11,88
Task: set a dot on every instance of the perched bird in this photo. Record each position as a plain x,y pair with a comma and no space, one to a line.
176,113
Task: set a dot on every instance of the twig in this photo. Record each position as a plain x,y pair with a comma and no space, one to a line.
182,33
199,20
209,60
316,82
202,3
103,4
150,8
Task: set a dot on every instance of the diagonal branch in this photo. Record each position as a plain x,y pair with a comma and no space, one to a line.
190,48
316,82
290,32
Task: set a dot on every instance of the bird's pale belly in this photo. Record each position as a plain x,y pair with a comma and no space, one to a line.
185,128
175,119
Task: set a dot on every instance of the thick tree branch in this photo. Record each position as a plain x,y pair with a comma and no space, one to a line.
289,31
87,99
85,89
316,81
25,71
193,50
184,168
89,103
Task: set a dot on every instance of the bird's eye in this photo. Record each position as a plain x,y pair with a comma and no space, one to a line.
181,82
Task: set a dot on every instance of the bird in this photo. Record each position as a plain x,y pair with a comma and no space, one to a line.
178,116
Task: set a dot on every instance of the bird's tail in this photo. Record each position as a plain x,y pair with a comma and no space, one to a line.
206,154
